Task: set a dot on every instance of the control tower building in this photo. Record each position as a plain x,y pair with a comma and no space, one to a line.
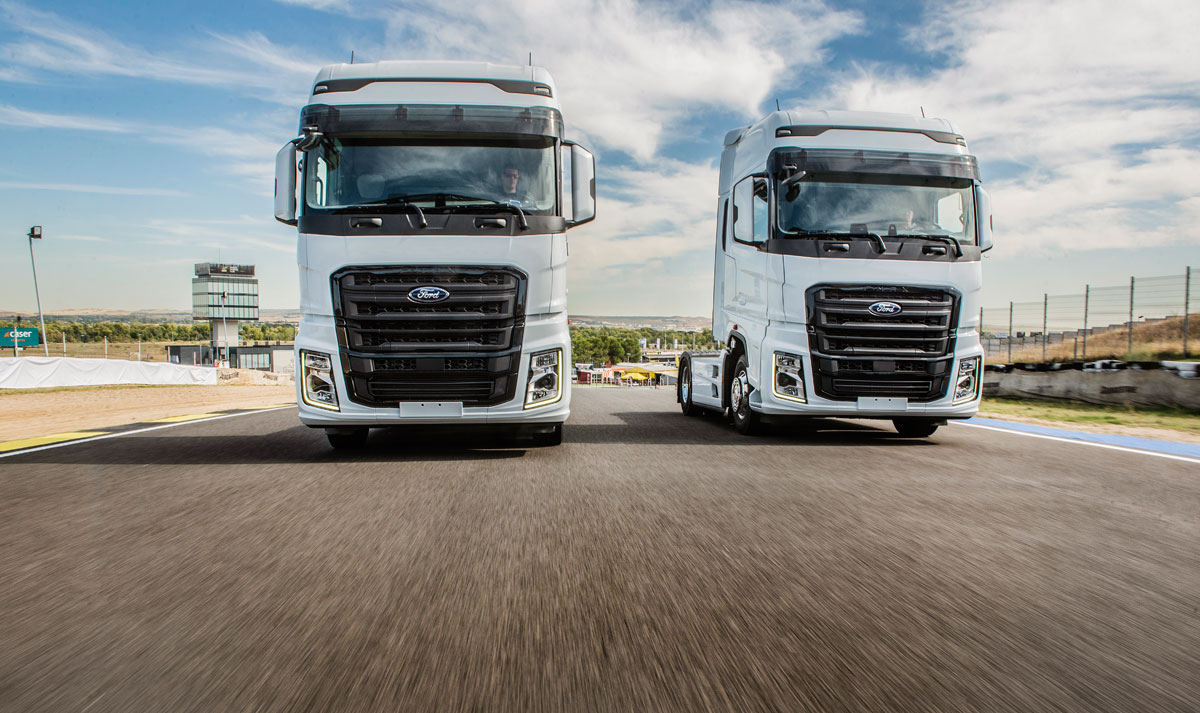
226,296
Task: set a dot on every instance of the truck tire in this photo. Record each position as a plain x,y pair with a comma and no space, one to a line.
745,420
348,440
916,427
553,437
683,391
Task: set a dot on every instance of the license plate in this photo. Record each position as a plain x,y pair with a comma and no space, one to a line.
877,403
428,409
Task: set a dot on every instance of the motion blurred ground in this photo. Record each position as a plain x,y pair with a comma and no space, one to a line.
28,413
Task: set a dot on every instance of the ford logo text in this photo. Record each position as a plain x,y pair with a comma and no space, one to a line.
428,295
885,309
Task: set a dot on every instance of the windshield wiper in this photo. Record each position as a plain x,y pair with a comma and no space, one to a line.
489,203
441,198
948,239
393,200
880,246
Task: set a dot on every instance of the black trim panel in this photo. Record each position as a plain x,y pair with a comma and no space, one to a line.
942,137
784,161
439,224
447,119
512,86
857,353
863,249
465,348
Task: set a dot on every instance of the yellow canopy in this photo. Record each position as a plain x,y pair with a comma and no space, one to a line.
635,376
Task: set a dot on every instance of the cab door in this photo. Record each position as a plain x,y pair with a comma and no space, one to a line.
750,298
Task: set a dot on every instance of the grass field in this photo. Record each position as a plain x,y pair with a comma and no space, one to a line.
151,351
1172,419
1151,342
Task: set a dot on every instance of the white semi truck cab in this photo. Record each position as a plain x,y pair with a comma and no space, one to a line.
432,201
847,273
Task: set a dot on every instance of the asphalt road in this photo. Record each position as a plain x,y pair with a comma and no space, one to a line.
651,563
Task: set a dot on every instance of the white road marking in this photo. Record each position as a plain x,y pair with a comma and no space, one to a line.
138,430
1077,441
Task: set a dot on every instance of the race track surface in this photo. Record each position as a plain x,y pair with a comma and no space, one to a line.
652,563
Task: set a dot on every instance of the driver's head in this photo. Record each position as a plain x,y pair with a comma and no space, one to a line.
509,178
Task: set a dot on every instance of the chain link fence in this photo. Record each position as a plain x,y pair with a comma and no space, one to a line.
1148,319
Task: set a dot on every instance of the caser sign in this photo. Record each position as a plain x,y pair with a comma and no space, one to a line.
19,337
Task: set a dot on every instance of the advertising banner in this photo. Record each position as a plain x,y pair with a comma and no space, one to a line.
19,337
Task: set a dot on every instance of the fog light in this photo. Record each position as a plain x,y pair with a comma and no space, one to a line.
545,379
316,373
966,385
789,378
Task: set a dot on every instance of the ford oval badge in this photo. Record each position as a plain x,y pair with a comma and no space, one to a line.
428,295
885,309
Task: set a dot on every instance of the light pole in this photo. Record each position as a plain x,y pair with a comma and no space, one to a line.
35,233
225,329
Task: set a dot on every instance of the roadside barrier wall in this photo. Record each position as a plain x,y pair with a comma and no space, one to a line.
1127,387
49,372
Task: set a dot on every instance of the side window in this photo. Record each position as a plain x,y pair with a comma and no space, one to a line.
950,213
760,210
723,213
743,211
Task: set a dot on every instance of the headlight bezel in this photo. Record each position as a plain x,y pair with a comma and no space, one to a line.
968,372
316,368
791,367
541,367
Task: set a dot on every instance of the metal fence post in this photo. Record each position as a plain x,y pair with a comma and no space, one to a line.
1010,332
1087,290
1130,317
1045,322
1187,294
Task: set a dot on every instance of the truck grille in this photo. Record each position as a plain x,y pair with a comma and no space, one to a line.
859,353
464,348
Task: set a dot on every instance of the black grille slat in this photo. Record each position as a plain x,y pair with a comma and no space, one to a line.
849,342
465,348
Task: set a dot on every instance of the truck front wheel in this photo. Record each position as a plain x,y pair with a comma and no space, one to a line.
745,420
347,439
916,427
552,437
684,390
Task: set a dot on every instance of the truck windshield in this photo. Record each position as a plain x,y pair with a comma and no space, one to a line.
436,175
886,205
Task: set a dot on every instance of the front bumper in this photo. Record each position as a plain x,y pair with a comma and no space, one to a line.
792,339
541,332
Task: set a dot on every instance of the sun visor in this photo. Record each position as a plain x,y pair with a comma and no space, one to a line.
788,161
378,119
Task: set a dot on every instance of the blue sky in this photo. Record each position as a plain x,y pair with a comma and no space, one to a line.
142,135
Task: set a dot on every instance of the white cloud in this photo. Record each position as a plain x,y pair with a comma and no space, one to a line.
45,44
1095,100
631,74
83,188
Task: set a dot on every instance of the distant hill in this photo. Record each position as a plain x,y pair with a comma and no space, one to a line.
290,316
683,324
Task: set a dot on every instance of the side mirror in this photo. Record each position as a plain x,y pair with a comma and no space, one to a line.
285,184
583,186
985,221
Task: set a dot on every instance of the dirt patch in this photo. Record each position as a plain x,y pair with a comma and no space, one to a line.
41,412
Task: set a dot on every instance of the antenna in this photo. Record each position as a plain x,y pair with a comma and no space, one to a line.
530,59
776,103
351,56
922,112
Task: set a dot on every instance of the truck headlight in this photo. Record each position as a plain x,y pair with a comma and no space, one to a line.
789,378
316,373
966,385
545,379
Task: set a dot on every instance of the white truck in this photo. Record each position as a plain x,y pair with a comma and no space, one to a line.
434,199
847,273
